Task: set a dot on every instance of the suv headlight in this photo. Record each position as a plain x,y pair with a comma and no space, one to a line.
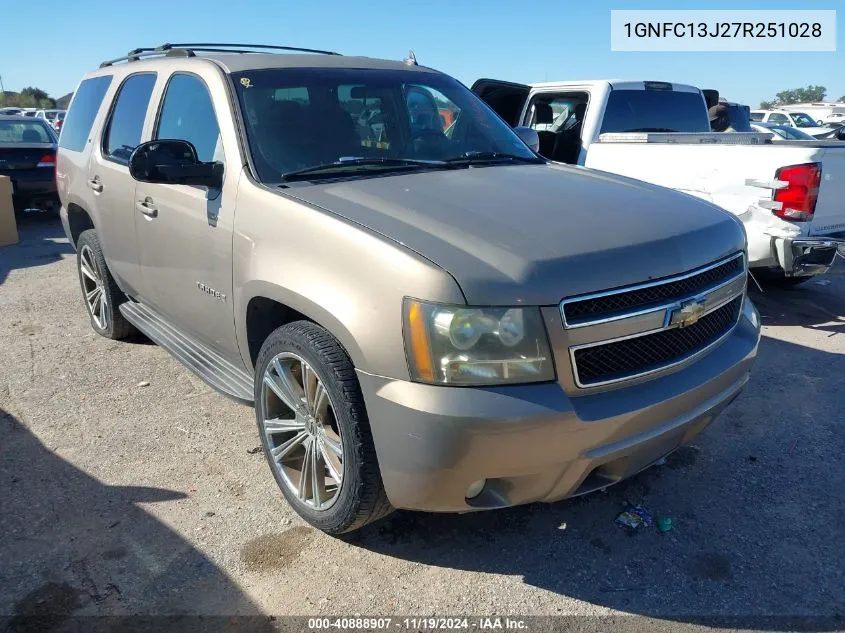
460,345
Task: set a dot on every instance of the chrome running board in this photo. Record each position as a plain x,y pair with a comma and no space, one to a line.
204,362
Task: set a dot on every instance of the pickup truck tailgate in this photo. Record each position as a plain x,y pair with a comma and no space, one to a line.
829,217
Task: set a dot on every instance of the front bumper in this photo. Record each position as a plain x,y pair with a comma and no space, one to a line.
535,443
807,256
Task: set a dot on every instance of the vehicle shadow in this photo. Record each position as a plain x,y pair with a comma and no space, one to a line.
817,303
41,241
756,506
78,554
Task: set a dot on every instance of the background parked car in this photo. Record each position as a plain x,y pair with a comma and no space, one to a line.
799,120
54,118
10,111
783,132
28,157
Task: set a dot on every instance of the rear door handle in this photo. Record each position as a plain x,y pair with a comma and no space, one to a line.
147,207
95,184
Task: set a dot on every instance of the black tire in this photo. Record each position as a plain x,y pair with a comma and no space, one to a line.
115,326
361,499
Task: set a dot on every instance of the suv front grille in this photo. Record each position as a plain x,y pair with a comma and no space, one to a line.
627,358
607,305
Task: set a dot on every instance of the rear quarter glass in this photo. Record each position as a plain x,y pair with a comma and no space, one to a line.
83,110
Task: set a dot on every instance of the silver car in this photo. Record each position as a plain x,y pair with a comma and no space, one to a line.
441,322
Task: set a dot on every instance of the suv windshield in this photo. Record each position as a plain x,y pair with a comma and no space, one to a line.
655,111
303,118
802,120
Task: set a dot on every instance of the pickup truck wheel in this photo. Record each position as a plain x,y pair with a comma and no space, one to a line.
101,294
315,431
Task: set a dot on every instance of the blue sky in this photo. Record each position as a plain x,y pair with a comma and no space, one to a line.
518,41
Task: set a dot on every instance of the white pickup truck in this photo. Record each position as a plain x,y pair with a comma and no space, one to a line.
790,196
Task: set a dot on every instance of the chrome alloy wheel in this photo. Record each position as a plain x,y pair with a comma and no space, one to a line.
93,287
302,434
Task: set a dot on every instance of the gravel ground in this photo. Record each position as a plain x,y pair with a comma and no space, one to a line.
127,486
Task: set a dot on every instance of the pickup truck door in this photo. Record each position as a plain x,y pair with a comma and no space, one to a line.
506,98
185,231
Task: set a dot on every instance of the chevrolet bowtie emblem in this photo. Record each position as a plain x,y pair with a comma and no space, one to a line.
689,312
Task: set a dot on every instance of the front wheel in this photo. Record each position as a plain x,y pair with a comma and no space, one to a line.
315,431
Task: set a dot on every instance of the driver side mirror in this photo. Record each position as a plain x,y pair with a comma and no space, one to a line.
173,162
529,136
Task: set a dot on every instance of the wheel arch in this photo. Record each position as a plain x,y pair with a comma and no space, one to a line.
265,307
78,220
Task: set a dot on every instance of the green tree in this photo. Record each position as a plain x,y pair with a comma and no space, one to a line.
842,99
796,95
28,98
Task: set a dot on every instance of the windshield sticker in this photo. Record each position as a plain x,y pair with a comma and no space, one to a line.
246,82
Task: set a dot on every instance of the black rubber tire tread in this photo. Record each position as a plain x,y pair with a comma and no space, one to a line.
118,328
362,499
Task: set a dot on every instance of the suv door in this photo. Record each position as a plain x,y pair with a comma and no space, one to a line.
109,179
185,231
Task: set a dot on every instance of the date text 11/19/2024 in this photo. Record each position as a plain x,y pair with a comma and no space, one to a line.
416,623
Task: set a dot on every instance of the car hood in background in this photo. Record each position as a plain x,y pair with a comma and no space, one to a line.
534,234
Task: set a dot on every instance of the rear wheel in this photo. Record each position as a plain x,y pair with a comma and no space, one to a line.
314,429
101,294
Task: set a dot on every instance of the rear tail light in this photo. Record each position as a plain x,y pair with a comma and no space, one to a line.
796,200
47,160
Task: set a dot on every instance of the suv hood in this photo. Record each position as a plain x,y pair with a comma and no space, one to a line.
535,234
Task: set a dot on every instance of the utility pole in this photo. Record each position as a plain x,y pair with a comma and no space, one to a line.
2,89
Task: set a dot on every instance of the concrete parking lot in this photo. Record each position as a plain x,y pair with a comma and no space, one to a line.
127,486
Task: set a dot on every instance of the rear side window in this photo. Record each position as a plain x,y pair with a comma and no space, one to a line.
187,114
757,116
83,111
123,131
655,111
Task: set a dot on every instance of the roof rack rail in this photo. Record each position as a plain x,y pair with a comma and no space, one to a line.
190,50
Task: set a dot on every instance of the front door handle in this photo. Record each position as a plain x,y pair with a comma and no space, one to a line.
95,184
147,207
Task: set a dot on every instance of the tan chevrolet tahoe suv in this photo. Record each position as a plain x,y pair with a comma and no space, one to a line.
425,313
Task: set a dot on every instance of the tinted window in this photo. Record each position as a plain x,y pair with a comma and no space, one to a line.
24,132
756,116
395,115
655,111
80,117
778,118
123,133
188,115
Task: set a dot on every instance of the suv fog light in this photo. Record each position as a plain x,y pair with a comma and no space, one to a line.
475,488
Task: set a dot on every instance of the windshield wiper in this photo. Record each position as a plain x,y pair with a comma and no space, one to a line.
330,169
492,157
